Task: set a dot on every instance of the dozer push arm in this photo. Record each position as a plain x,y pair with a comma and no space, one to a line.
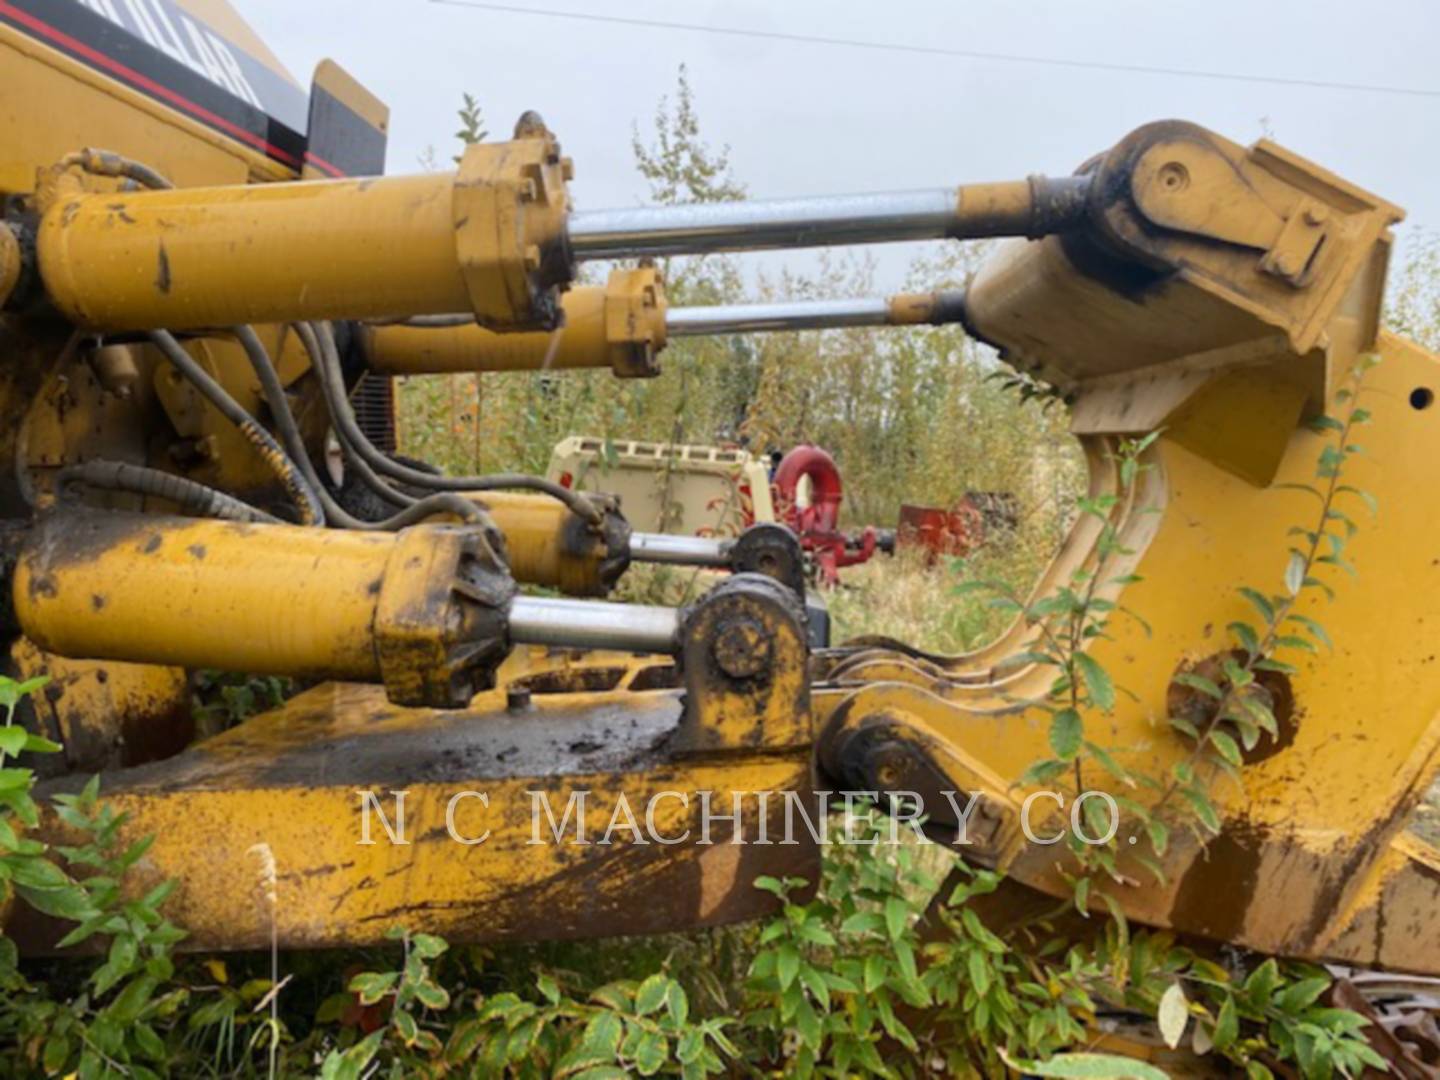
1216,296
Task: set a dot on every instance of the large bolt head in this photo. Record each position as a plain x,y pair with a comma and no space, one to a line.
742,649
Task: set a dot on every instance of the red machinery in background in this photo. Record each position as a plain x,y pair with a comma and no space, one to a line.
812,511
814,515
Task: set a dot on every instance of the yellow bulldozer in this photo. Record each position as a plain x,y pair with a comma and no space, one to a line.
206,281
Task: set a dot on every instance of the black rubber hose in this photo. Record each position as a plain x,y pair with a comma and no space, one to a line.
412,510
349,430
300,492
139,480
353,460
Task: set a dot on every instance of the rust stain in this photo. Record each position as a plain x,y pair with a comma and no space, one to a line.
1215,893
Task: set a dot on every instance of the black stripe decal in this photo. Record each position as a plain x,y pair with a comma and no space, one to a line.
108,48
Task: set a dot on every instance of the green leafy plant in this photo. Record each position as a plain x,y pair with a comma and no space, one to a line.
1238,710
110,1025
1063,624
222,699
623,1028
472,123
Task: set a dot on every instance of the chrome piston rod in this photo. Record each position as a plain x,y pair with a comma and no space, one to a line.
1034,207
928,310
593,624
911,309
680,550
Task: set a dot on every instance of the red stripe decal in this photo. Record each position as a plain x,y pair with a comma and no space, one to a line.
136,79
318,161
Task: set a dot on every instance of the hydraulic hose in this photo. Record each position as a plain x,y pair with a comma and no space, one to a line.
349,431
139,480
300,492
412,510
109,163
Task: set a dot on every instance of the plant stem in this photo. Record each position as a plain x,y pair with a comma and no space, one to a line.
1266,645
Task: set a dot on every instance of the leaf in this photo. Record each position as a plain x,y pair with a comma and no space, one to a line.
68,903
896,916
1208,687
432,996
405,1027
350,1064
1226,747
1066,734
1363,496
862,922
1260,601
766,883
1295,573
651,995
1301,994
787,965
1262,982
371,986
1203,1041
1088,1067
1316,630
1245,634
651,1053
1174,1015
1179,723
1204,809
1097,681
1042,772
677,1004
807,1023
814,982
690,1047
1113,767
979,971
427,946
874,972
1227,1026
603,1034
12,740
126,1007
1159,835
1271,664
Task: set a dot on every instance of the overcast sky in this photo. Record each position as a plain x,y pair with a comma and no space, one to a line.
813,119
